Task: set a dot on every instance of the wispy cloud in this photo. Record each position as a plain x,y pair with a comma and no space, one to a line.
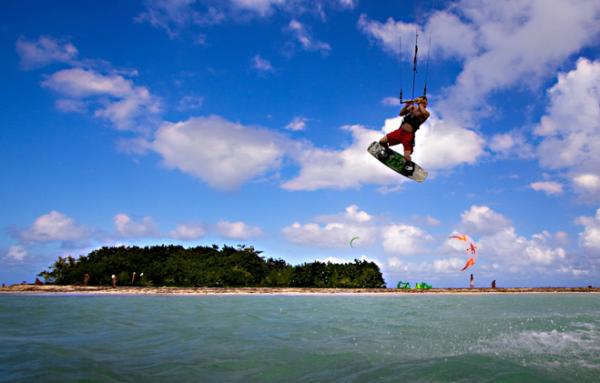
261,64
44,51
114,97
297,124
548,187
304,39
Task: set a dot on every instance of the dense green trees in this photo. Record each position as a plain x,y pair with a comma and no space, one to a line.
206,266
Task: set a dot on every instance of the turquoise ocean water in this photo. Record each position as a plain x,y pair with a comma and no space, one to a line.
405,338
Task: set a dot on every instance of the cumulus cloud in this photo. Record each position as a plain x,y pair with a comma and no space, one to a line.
44,51
440,145
261,64
438,266
238,230
515,251
404,239
221,153
548,187
304,39
398,38
502,44
589,239
187,232
482,220
571,141
334,231
55,226
518,42
130,228
511,144
16,253
501,243
117,99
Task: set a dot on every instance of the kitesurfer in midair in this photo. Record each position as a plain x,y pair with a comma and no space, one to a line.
415,113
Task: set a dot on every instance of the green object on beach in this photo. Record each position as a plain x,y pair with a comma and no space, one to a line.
422,286
403,285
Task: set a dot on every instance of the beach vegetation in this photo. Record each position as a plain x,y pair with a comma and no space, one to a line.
206,266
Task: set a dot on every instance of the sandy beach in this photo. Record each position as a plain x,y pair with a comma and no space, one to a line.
130,290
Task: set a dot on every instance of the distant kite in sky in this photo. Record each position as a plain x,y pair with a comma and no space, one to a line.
471,250
352,240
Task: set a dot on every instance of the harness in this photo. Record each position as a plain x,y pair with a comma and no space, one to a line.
412,120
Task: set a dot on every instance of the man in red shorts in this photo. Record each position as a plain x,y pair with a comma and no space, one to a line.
414,117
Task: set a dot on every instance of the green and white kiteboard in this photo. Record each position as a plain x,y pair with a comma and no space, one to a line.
395,161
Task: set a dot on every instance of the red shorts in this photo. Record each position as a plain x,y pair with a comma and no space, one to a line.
401,136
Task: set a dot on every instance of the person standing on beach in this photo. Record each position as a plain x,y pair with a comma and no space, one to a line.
86,279
472,282
114,280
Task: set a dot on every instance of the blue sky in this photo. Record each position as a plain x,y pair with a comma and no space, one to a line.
202,122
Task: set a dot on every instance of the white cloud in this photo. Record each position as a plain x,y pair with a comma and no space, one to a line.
482,220
261,64
571,141
297,124
549,187
190,103
502,44
187,232
54,226
437,266
391,101
350,167
238,230
587,182
443,144
127,227
334,231
223,154
590,237
305,39
404,239
398,38
499,242
44,51
518,42
511,144
439,145
260,7
350,4
16,253
119,100
515,252
170,15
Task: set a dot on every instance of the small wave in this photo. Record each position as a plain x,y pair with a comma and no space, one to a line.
578,347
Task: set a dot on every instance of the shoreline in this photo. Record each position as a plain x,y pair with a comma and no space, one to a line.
131,290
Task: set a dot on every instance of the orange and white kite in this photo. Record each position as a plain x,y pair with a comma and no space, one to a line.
471,250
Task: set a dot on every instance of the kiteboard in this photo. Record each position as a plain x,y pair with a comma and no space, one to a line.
395,161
